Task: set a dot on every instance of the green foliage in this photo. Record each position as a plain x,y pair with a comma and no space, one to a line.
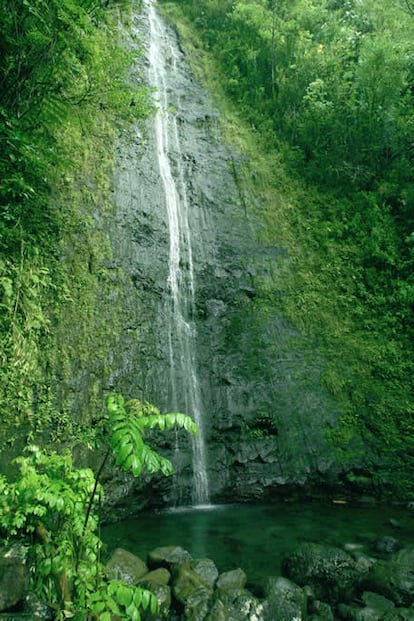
263,426
65,70
129,425
322,95
53,508
57,64
23,324
45,507
333,81
123,600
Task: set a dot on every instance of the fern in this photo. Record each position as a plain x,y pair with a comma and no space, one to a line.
44,508
128,425
52,506
123,600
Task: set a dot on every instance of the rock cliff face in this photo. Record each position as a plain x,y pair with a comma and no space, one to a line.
266,417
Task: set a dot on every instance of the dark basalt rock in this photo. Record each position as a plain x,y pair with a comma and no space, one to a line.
326,584
394,578
168,557
126,567
14,576
284,600
36,610
330,572
252,366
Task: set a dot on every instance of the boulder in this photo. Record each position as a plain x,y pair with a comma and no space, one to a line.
394,578
188,585
160,576
235,605
220,612
14,576
320,611
197,604
331,572
126,566
157,582
34,608
400,614
207,570
162,593
234,579
376,608
167,556
284,600
347,612
387,545
377,602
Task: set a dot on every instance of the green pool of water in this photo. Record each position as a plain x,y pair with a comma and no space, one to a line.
255,537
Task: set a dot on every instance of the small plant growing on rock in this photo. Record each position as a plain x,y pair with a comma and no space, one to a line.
51,507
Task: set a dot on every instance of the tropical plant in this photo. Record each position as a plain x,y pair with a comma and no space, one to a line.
65,69
52,508
60,61
327,88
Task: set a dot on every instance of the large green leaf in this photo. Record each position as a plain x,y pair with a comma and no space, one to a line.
163,421
151,460
124,595
130,450
123,452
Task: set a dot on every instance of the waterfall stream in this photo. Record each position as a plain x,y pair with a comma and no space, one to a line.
184,389
194,284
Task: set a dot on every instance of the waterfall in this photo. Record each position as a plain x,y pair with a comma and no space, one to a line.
184,386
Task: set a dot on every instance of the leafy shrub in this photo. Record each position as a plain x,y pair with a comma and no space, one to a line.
53,508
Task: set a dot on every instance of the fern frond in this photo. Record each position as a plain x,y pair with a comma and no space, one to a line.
131,453
169,421
154,462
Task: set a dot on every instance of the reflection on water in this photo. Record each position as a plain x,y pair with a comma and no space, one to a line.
255,537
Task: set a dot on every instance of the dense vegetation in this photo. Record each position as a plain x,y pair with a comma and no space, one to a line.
323,92
64,90
326,89
52,509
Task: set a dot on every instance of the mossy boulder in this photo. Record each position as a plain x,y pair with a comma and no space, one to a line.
284,600
160,576
332,573
394,578
168,557
207,570
14,576
234,579
126,566
192,592
235,604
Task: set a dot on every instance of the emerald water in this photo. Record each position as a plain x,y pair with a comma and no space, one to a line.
255,537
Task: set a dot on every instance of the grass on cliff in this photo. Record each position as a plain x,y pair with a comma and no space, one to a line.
54,198
322,284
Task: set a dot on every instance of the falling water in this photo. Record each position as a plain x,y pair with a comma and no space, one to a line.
184,384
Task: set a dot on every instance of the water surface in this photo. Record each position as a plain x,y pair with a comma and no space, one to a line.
255,537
